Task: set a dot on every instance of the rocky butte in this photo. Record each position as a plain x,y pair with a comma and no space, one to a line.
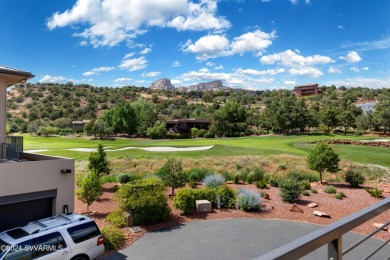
165,84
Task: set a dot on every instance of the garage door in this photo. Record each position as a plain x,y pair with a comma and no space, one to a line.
20,213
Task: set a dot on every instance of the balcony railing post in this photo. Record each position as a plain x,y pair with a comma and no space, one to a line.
335,249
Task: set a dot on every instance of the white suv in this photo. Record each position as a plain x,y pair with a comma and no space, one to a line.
70,236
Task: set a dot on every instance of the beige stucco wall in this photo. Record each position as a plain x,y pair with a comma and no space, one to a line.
40,175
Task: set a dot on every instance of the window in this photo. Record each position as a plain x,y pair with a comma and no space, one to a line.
22,250
83,232
48,244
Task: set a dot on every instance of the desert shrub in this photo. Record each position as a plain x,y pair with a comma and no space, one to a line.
258,174
339,196
201,133
145,199
228,176
249,178
244,174
261,184
209,135
193,184
185,198
274,180
248,200
194,132
290,190
228,196
113,238
108,179
354,177
236,178
124,178
305,185
294,175
282,167
311,177
198,174
314,191
330,189
374,192
117,218
213,181
342,194
305,193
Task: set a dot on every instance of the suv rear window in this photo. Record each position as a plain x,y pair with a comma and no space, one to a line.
83,232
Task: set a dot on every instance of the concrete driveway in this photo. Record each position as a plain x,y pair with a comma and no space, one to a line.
233,239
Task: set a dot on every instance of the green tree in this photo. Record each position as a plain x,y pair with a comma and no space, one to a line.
172,174
328,115
322,158
89,189
346,119
98,162
145,115
230,120
382,113
159,130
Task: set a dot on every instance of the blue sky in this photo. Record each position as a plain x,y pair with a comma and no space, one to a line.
253,44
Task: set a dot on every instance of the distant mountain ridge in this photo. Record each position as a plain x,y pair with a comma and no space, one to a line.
165,84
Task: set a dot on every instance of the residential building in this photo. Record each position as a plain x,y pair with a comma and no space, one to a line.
367,106
306,90
78,126
31,186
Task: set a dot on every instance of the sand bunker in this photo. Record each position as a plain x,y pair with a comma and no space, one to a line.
149,149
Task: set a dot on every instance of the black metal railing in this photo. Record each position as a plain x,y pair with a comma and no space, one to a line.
332,235
12,149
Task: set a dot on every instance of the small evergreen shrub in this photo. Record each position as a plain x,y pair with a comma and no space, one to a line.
249,178
294,175
228,176
236,179
314,191
375,192
342,194
282,167
258,174
201,133
113,238
248,200
330,189
311,177
198,174
145,199
209,135
339,196
274,181
124,178
305,193
305,185
354,177
117,218
193,184
261,184
290,190
193,176
228,196
213,181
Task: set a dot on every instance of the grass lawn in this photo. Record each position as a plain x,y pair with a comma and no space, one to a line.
259,145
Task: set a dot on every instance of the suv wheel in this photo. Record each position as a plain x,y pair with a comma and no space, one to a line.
80,257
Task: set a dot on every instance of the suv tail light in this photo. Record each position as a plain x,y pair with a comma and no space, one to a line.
100,241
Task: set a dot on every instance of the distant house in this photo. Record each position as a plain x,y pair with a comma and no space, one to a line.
191,123
368,106
79,125
306,90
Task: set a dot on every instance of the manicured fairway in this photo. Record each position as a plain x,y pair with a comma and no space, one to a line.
257,145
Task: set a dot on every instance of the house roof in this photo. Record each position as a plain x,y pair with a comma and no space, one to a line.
307,85
12,76
188,120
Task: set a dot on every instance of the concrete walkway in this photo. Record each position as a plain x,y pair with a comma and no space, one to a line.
233,239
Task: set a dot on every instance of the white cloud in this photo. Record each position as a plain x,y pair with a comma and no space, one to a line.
352,56
333,69
252,72
96,71
134,64
145,51
139,81
129,55
354,69
123,81
176,81
220,67
176,64
212,46
291,59
372,45
306,71
199,16
294,2
210,64
365,68
110,22
151,74
53,79
361,82
289,82
251,42
341,27
204,70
